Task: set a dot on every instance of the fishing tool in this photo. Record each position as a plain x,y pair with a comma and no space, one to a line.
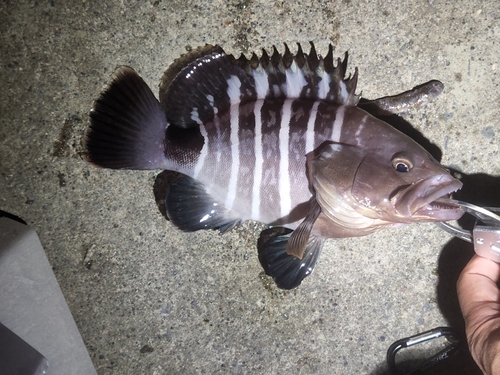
485,235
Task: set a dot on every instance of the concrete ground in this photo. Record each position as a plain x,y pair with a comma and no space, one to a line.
149,299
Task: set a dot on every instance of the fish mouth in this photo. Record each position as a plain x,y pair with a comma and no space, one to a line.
428,200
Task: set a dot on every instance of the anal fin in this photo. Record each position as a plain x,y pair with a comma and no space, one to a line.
191,208
288,271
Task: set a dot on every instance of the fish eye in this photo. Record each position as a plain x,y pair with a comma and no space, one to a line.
401,164
401,167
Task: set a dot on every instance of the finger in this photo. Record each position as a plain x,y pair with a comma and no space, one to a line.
478,282
482,266
479,299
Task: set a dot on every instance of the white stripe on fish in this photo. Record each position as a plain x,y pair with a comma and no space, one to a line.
233,91
203,153
310,128
324,86
337,124
360,129
295,81
344,95
261,83
195,116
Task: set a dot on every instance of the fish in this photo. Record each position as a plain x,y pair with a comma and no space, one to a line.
282,139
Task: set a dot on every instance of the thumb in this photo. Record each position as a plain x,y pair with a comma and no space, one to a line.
479,299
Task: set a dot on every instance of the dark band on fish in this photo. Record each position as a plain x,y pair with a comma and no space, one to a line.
270,119
184,145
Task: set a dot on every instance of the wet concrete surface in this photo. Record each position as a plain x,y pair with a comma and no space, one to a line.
149,299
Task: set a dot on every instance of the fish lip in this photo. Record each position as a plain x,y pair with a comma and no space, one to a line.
428,199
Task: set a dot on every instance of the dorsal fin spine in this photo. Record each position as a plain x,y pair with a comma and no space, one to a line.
300,58
312,58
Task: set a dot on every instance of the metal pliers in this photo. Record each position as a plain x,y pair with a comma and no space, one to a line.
486,232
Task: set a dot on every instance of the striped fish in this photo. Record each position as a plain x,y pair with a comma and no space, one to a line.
279,139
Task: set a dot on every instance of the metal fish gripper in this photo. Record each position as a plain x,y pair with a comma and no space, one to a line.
485,235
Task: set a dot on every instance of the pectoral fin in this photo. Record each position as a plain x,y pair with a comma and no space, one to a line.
297,243
288,271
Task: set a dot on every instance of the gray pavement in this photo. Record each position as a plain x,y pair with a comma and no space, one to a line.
149,299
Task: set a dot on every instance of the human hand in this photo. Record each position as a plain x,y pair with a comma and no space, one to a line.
479,298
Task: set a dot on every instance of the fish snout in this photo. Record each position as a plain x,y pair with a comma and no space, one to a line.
417,201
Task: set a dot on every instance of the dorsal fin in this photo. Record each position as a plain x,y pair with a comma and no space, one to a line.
208,81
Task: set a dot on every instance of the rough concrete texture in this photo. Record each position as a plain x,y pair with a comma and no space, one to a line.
149,299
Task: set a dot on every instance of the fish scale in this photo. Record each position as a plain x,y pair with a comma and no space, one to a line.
280,139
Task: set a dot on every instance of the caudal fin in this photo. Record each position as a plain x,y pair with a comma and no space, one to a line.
127,126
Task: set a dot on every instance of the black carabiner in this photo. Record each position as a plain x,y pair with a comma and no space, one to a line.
435,333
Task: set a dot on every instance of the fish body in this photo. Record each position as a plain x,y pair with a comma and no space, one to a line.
278,139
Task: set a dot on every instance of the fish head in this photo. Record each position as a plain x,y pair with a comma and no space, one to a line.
385,182
401,182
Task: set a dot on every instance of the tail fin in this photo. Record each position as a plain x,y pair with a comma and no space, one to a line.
127,126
